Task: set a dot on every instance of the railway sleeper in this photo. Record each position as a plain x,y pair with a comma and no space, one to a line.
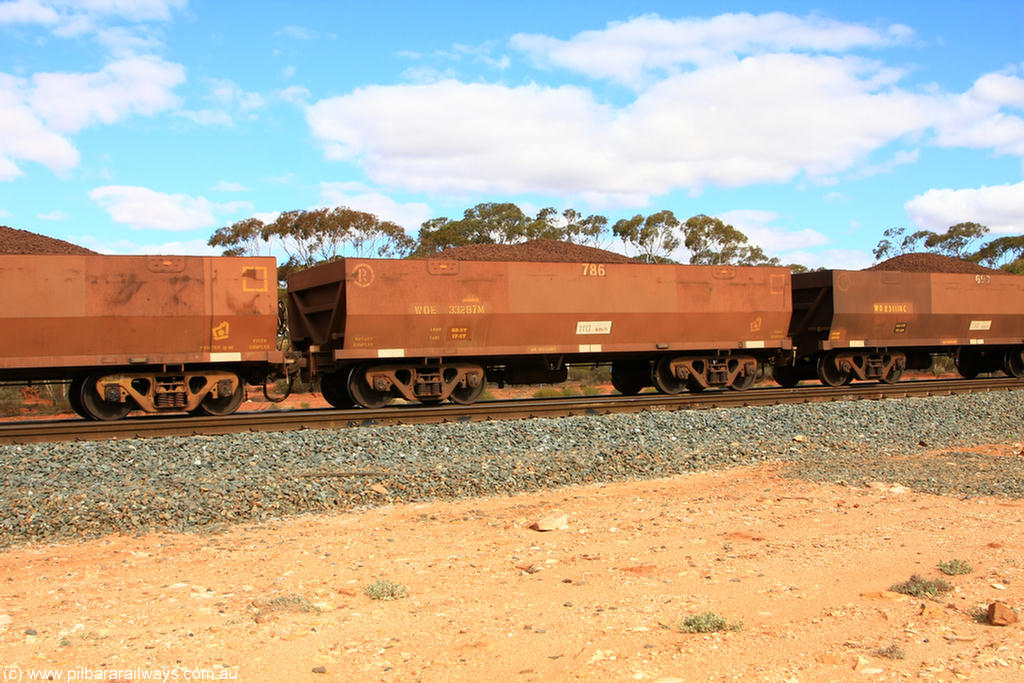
459,382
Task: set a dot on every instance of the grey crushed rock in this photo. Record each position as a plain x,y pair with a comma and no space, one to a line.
76,490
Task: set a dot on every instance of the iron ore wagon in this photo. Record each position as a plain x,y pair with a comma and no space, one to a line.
432,330
874,324
157,333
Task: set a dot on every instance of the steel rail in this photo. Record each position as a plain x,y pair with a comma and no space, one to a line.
290,420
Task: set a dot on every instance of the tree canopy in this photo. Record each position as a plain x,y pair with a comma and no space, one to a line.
308,237
709,240
505,223
713,242
958,241
654,237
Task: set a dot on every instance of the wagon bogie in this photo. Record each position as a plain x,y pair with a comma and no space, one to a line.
105,397
629,377
372,386
972,361
1013,362
840,367
671,374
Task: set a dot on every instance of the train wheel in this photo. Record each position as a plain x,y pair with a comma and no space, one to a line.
334,390
895,374
628,378
663,378
1013,363
829,374
467,395
225,405
362,393
93,405
968,364
75,396
785,376
743,382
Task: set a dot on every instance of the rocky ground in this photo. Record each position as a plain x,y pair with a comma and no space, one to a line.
85,489
791,523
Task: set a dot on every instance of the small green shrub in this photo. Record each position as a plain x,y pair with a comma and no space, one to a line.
980,614
382,589
894,651
708,622
955,567
590,374
922,588
293,602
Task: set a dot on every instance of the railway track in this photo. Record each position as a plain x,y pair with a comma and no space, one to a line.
149,426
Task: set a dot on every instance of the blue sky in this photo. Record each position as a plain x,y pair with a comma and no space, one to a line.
142,126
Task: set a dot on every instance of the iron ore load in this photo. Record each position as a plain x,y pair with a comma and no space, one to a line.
156,333
436,329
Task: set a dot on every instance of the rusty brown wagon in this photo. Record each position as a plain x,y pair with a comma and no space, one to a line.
874,324
156,333
432,330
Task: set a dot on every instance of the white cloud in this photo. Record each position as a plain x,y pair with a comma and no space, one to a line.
473,137
132,10
774,240
229,93
295,94
121,41
976,119
839,259
631,52
4,213
207,117
229,186
37,113
70,102
299,32
193,247
900,158
768,118
734,100
72,18
230,101
140,207
56,215
23,136
353,195
1000,207
266,216
27,12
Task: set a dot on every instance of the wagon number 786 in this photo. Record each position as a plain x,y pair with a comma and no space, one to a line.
593,269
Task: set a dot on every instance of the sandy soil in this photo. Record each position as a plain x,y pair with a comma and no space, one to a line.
806,569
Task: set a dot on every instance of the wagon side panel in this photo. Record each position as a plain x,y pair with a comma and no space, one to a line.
89,311
448,309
